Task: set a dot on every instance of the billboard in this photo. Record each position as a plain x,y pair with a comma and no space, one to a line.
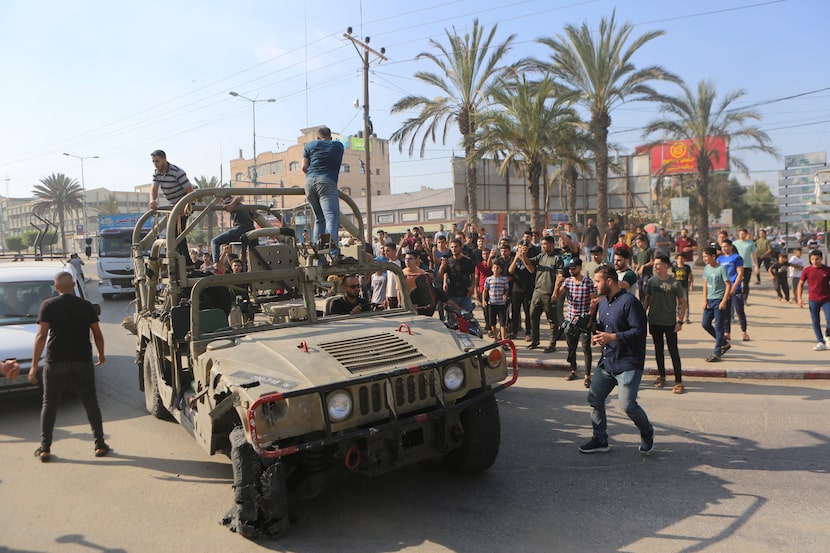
122,220
678,156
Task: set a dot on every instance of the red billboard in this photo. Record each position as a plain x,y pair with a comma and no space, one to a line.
678,157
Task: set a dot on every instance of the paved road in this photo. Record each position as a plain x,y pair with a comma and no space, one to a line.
740,465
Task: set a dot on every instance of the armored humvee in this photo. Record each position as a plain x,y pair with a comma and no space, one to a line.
254,364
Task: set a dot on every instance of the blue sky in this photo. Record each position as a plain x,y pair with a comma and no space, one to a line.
120,79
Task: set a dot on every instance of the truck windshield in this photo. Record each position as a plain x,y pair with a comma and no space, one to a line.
115,244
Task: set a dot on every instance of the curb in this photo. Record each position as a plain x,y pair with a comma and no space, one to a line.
814,373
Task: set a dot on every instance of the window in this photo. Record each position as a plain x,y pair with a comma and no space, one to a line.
238,177
377,171
346,190
293,167
344,168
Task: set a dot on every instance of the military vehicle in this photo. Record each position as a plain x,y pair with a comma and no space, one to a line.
255,365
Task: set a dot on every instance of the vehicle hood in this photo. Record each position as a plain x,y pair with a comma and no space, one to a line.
17,340
307,356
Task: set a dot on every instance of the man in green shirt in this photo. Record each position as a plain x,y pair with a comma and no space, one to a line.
716,290
747,250
766,257
663,294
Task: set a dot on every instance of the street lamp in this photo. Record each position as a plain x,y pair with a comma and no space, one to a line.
253,112
83,185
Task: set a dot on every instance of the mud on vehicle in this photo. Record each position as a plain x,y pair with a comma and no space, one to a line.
255,365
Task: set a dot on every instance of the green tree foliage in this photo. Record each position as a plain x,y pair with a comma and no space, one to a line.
468,68
697,115
15,244
108,206
529,125
58,194
598,65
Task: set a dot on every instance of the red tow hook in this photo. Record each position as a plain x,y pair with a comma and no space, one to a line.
303,346
406,326
353,457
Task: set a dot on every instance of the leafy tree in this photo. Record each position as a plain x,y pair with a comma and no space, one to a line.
572,159
763,206
15,244
210,220
60,195
108,206
599,67
531,122
465,80
697,116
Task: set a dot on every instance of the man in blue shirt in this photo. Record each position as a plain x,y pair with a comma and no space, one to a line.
621,331
321,164
734,264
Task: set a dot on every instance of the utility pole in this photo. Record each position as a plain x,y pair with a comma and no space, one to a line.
4,217
367,123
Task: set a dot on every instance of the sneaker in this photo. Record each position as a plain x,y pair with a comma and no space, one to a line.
827,341
715,358
594,446
820,347
647,443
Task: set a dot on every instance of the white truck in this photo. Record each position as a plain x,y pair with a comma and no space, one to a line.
115,264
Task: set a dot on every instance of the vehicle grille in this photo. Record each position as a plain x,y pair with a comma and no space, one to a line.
408,392
380,351
124,272
122,282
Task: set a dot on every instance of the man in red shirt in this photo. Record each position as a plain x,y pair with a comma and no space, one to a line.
817,277
686,245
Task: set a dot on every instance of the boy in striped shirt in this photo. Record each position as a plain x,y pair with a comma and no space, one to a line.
494,301
579,290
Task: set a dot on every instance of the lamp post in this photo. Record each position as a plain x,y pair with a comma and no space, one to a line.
83,185
253,113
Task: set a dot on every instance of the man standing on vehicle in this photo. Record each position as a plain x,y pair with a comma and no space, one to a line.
67,321
242,222
621,331
321,165
174,184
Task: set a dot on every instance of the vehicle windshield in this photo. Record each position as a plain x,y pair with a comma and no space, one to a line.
116,244
20,301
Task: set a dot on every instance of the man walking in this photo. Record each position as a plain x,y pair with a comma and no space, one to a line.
545,266
716,290
579,290
663,294
67,321
321,165
817,277
174,185
621,331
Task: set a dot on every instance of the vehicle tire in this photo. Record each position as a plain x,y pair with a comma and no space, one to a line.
152,398
108,296
260,496
481,440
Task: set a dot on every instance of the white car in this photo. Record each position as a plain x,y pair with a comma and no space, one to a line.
23,286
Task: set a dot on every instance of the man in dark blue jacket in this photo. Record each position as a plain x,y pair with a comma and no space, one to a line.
621,331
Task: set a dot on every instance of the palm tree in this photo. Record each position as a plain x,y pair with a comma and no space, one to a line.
699,117
108,206
571,160
599,67
526,130
59,194
205,182
465,80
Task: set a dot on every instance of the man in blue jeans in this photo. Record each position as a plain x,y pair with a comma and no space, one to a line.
621,331
716,289
321,164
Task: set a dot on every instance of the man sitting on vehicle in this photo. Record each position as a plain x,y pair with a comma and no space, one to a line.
350,302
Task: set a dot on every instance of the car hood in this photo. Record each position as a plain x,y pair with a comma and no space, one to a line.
17,340
308,356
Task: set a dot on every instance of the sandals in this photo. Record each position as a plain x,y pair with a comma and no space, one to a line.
678,388
571,376
102,450
712,359
660,382
43,454
745,337
587,382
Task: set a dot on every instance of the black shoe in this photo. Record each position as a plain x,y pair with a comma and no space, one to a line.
550,349
725,348
533,345
647,442
594,446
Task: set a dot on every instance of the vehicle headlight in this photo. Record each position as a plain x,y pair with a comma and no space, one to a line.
339,404
453,378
